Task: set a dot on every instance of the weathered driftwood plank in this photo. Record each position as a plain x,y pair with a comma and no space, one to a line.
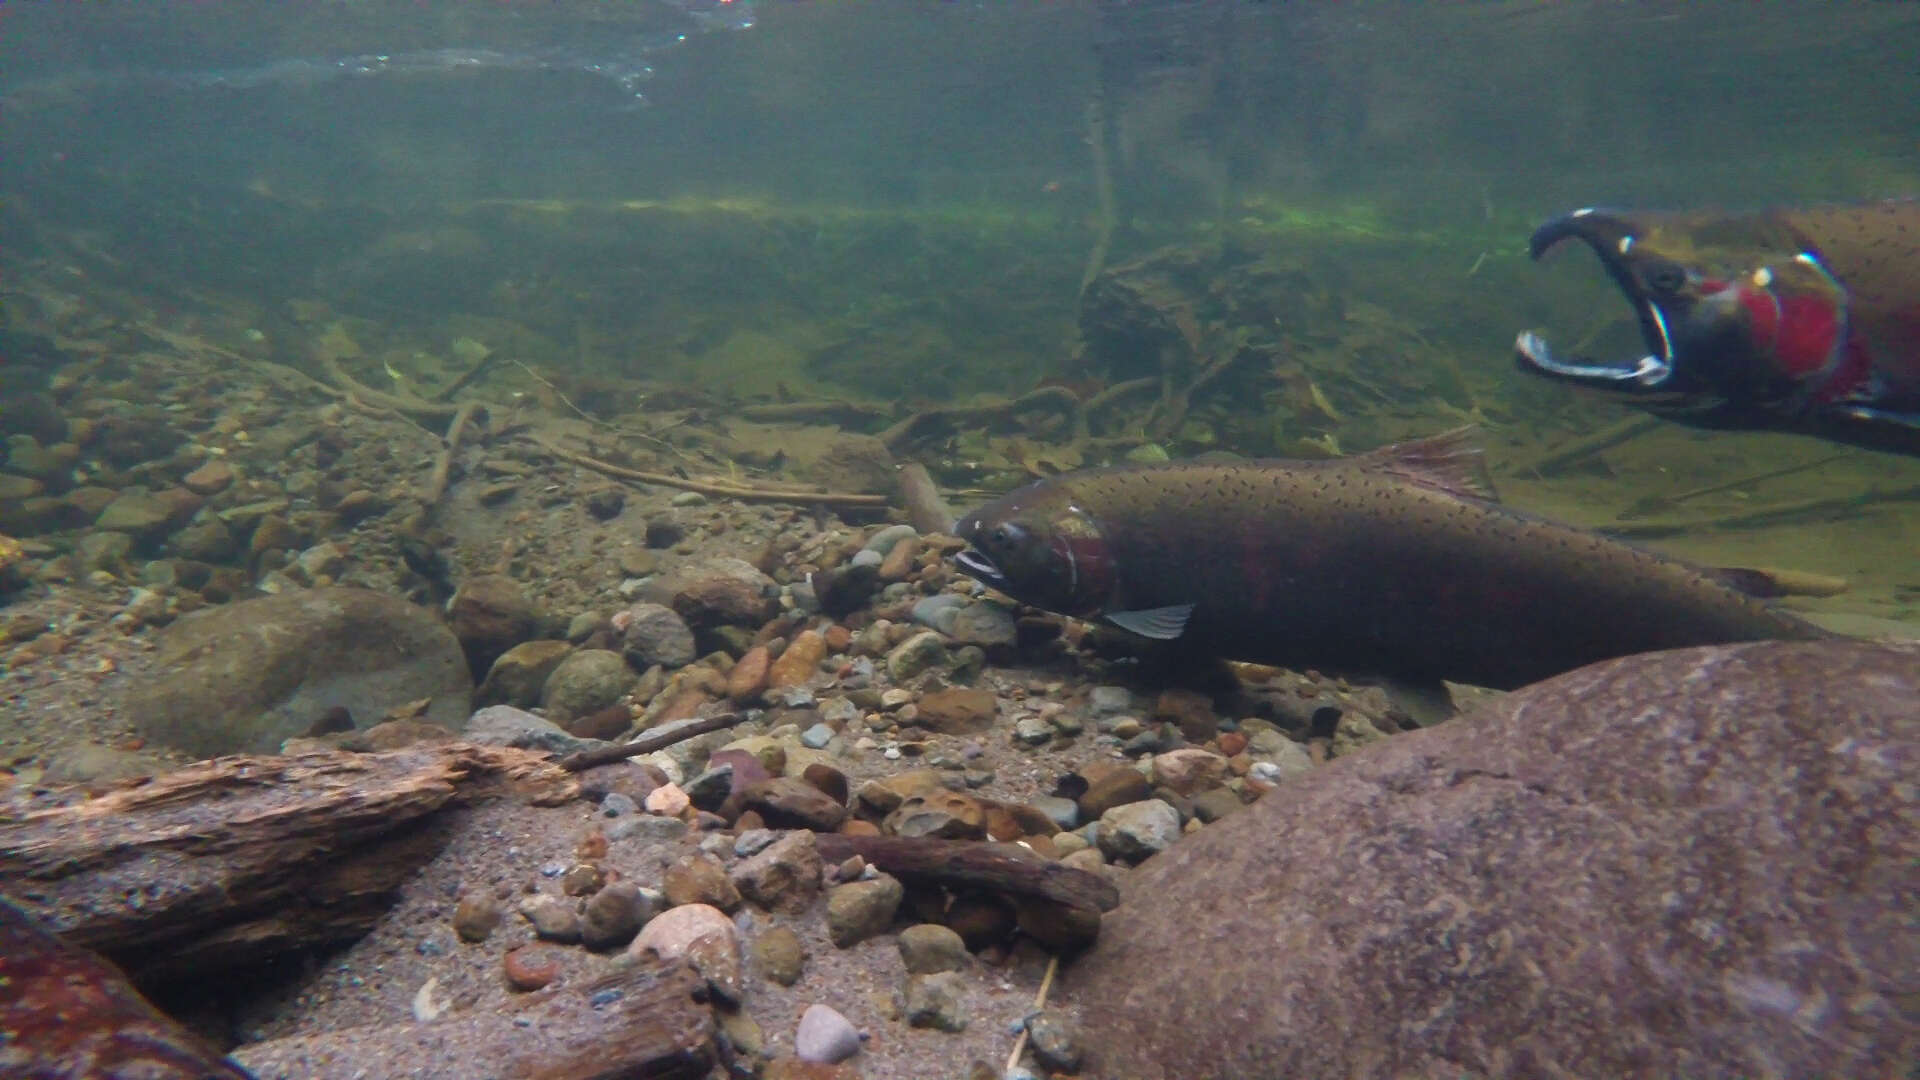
645,1022
228,861
1009,868
1058,906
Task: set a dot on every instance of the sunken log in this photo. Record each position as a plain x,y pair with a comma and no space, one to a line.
228,862
1059,906
642,1022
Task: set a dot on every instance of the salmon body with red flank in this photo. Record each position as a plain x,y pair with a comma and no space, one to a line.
1802,320
1384,564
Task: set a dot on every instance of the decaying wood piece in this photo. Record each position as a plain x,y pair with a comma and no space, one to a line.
644,1022
1655,504
378,402
926,510
1009,868
466,378
827,411
938,423
463,418
1826,508
228,861
647,742
64,1012
743,492
1099,403
1059,906
1581,449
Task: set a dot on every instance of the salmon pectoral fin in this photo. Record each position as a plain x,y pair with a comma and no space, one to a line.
1160,624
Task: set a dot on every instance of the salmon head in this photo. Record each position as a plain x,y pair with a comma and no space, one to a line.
1740,322
1037,546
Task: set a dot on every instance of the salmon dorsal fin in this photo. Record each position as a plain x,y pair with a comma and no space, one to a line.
1451,461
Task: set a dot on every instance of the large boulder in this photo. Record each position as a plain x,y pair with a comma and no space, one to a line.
1699,863
490,614
243,677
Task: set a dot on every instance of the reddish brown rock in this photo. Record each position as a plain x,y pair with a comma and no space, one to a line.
958,710
949,815
679,704
748,676
839,638
898,562
608,723
746,772
1014,821
1189,770
1698,863
799,662
884,795
1189,710
490,614
788,802
357,506
64,1012
828,779
1110,788
700,879
209,479
476,916
716,592
784,877
531,967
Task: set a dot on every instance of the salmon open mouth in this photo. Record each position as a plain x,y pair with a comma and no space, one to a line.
975,564
1611,241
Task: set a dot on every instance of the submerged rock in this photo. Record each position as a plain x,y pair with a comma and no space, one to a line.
67,1013
716,591
243,677
1692,863
489,615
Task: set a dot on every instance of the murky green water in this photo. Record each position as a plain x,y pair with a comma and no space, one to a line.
1307,222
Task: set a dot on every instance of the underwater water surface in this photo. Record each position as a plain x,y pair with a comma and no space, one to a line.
1308,223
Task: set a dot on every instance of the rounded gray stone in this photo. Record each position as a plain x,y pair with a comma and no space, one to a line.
825,1036
244,677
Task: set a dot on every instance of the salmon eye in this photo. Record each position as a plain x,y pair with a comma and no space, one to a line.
1663,276
1005,534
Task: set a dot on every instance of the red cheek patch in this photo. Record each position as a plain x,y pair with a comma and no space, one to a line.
1802,332
1809,336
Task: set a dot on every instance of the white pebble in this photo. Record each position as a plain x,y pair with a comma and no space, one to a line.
825,1036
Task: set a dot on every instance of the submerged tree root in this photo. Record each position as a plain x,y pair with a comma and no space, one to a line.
717,488
463,418
380,403
938,423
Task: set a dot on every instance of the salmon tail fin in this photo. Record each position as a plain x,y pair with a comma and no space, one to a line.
1767,583
1451,461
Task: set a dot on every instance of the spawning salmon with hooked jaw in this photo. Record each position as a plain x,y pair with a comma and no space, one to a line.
1802,320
